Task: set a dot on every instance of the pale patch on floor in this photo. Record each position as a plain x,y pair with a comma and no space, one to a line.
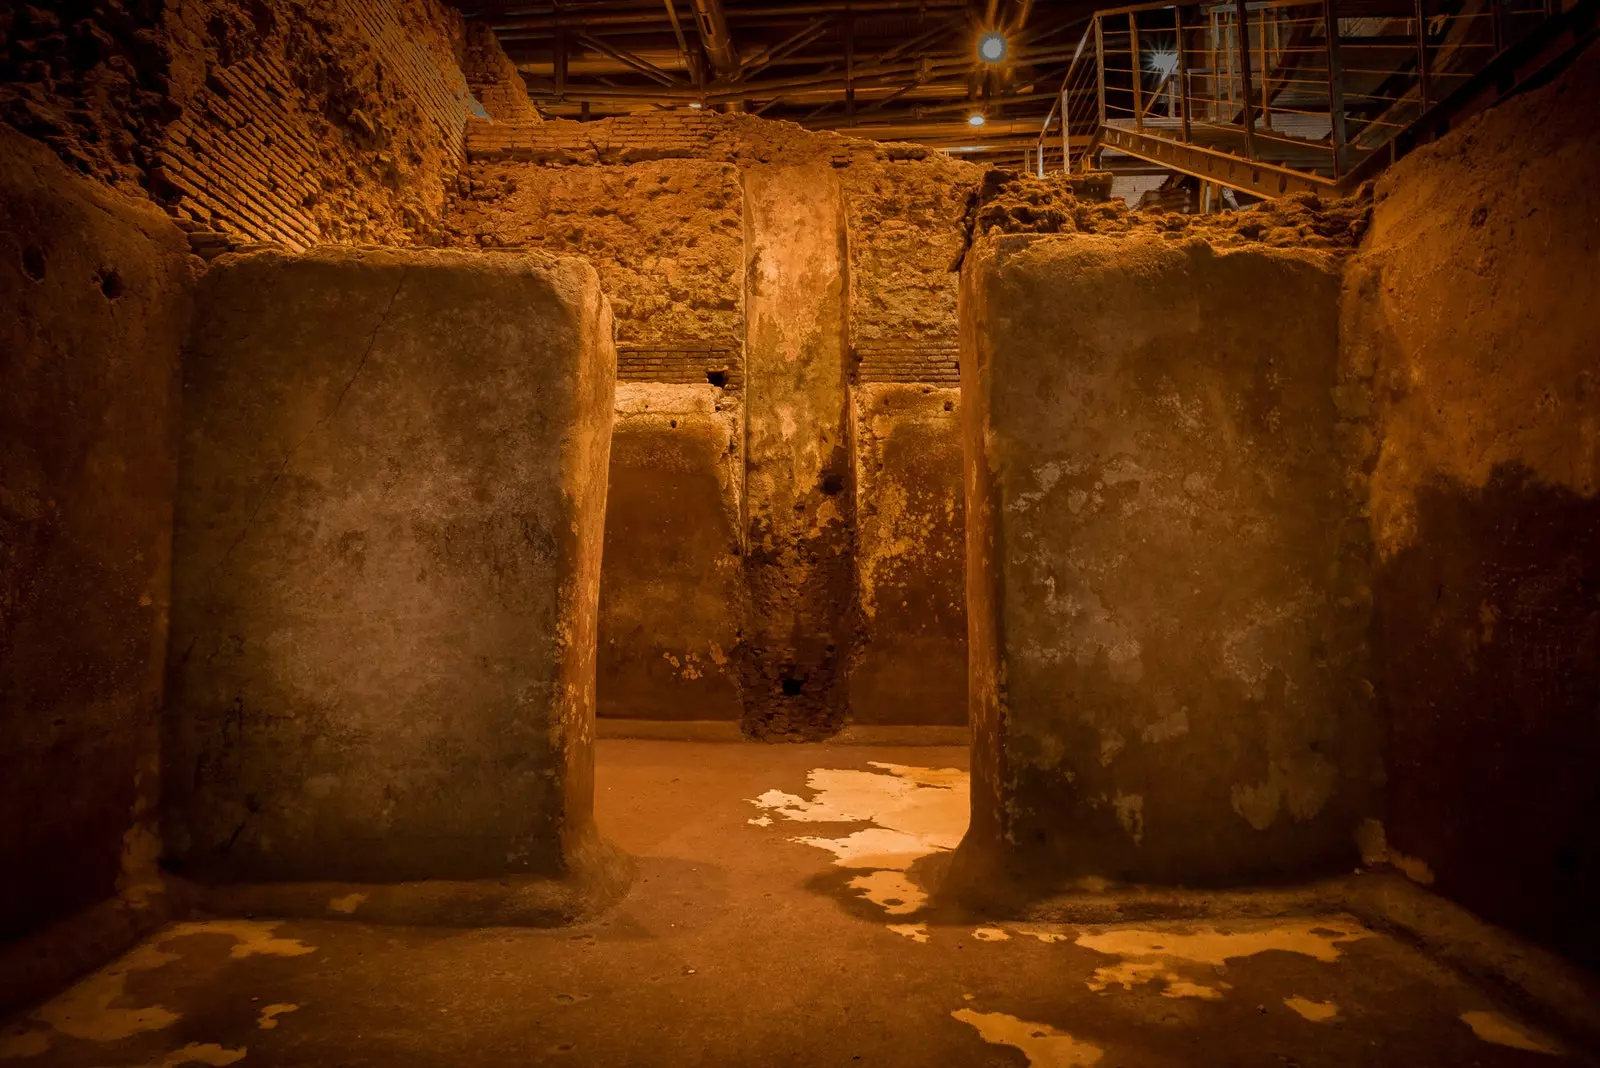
1132,973
250,938
200,1053
1319,939
760,821
268,1020
890,891
90,1009
1150,955
346,904
989,934
1045,932
917,932
914,812
1492,1027
85,1009
18,1044
1043,1045
1315,1011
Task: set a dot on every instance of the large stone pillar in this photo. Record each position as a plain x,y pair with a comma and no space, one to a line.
388,541
799,514
1166,562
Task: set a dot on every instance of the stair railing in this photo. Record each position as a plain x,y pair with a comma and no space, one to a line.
1302,91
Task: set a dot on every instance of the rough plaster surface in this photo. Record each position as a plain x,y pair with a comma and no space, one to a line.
907,227
387,558
798,471
666,236
910,665
1165,560
95,292
1469,312
672,585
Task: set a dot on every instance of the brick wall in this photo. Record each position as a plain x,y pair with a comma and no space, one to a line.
684,365
290,121
493,78
341,121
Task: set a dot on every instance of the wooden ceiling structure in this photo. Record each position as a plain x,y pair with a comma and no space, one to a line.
893,70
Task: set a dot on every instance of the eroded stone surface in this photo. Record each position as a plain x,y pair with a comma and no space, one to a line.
94,299
388,551
1166,560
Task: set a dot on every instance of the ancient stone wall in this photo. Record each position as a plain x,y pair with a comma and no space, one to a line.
672,591
910,661
799,496
95,288
907,230
386,566
1166,561
1469,313
660,203
297,122
667,238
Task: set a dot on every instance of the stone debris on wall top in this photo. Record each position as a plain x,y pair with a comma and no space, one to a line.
1010,202
683,134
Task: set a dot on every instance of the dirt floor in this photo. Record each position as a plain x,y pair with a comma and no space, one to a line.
774,922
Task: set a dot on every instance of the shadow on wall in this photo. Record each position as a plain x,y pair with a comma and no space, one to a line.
1488,644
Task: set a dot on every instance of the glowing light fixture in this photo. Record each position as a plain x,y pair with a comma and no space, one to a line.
1162,61
975,120
697,107
992,47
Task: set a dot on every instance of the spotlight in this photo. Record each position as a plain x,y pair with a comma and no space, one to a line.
992,47
697,107
975,120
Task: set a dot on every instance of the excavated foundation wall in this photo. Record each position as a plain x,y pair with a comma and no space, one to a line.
94,288
296,122
1470,311
836,602
667,238
907,230
1167,561
386,567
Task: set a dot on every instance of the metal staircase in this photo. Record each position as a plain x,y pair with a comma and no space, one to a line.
1284,96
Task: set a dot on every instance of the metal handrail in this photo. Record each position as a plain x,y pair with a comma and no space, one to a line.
1267,73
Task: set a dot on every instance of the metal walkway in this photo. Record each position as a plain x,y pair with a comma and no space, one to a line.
1271,97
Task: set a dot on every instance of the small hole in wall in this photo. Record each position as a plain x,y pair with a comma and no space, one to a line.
673,423
111,283
718,378
792,687
833,484
33,263
949,406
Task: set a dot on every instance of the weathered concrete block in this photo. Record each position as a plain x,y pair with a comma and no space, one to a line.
387,560
798,567
1166,561
910,666
672,588
94,297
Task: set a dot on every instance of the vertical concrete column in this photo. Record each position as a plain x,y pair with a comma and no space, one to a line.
387,562
798,562
1166,563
